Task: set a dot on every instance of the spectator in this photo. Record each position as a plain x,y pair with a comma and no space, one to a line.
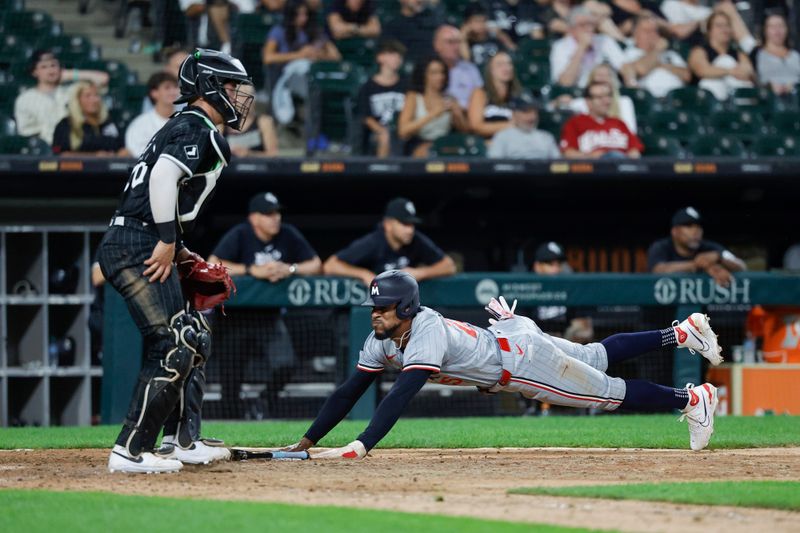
413,27
558,15
597,135
428,111
654,66
87,130
353,18
267,249
688,19
522,140
173,58
517,18
573,57
777,64
488,111
481,42
717,64
162,90
621,106
549,259
382,98
298,37
395,244
39,109
258,137
464,77
685,251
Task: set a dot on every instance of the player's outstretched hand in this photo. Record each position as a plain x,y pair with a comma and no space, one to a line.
301,446
159,265
354,450
500,310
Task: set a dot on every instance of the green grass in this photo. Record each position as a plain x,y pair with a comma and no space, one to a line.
655,431
69,511
771,494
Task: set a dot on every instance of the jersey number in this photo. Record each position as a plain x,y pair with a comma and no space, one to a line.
137,175
463,326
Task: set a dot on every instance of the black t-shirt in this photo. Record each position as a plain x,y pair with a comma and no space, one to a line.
518,20
359,17
663,251
482,51
190,140
105,137
241,245
372,251
416,33
381,102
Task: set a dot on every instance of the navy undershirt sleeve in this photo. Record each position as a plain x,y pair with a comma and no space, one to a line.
407,385
339,404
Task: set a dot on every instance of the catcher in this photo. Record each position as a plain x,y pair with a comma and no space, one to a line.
168,187
513,355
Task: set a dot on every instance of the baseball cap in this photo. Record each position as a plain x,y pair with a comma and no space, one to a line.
523,102
403,210
686,216
265,203
38,56
549,251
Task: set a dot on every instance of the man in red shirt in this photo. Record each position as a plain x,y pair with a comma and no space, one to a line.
596,134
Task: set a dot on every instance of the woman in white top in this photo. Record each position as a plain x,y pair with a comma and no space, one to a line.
489,111
428,113
621,106
777,65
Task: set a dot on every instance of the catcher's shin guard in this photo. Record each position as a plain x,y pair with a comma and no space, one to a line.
184,421
159,388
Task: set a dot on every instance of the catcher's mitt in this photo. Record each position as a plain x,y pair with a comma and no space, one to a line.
204,284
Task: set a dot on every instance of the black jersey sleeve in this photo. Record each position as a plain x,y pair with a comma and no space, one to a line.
361,252
229,246
300,249
427,252
658,253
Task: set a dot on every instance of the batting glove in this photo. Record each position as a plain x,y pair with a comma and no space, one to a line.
500,310
354,450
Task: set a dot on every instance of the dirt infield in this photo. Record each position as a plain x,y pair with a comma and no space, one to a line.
448,482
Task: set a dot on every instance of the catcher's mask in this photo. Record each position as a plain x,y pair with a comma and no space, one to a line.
221,80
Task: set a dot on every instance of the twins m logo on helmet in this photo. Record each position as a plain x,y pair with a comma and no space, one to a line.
374,291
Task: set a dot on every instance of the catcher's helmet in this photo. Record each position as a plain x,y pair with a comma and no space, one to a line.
394,287
204,73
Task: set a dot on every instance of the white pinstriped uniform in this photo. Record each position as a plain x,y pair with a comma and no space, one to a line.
539,366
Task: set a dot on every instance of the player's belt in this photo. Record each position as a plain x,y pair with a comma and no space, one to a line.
128,222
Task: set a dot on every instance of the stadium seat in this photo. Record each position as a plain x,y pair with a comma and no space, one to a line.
644,102
8,94
71,50
552,121
662,145
539,49
717,146
129,98
776,146
458,145
533,75
358,51
250,34
121,117
19,145
552,92
333,90
787,123
678,124
693,99
7,126
754,99
119,75
7,6
742,124
32,23
14,49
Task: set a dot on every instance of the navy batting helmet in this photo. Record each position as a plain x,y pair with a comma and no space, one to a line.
204,74
394,287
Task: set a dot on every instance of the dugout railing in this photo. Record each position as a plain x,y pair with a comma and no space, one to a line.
320,322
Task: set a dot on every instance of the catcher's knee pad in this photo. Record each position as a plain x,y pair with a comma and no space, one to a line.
203,336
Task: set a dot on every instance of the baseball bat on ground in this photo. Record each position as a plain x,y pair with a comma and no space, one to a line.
244,454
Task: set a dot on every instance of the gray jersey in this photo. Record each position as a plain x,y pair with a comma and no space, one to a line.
456,352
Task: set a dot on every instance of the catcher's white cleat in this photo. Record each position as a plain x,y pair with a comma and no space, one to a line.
147,463
198,453
695,333
700,414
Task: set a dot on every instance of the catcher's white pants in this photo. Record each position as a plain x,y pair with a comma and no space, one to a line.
557,371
